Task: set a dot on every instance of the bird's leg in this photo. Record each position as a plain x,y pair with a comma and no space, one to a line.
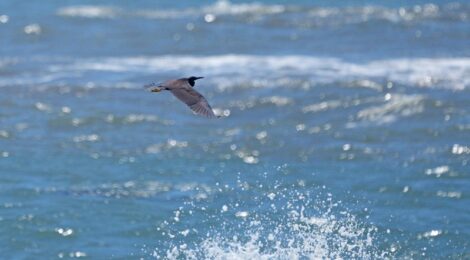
153,87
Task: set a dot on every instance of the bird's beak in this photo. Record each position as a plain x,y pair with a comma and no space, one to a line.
199,77
156,90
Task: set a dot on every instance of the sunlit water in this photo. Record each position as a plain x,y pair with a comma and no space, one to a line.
345,130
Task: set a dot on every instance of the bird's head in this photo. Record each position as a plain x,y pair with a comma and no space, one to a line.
192,80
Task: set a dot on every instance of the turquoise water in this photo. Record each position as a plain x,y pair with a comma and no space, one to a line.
345,131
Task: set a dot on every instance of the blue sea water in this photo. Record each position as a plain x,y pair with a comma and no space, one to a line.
345,130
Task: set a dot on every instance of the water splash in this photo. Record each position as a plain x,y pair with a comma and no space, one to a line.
282,225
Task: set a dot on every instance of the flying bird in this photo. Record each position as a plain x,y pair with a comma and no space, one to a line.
183,89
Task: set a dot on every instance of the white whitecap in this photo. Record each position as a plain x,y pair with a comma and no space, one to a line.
88,11
263,71
398,106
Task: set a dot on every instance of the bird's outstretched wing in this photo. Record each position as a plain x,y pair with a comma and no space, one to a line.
194,100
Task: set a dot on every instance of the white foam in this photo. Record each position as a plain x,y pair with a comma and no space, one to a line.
397,106
305,15
301,227
450,194
452,73
224,7
302,237
89,11
322,106
260,71
348,15
438,171
460,149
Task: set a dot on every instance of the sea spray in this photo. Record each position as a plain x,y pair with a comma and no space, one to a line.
284,224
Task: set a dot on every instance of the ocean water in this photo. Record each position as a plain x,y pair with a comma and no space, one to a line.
345,130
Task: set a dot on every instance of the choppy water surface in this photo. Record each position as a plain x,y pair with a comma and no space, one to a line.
345,130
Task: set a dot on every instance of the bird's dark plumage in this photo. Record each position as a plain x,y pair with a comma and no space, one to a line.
184,91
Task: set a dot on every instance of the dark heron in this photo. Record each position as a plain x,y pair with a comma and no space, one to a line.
183,89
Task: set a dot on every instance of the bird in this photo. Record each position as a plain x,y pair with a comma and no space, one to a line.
183,89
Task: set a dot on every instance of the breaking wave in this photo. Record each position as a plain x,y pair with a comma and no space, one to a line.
287,15
89,11
449,73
